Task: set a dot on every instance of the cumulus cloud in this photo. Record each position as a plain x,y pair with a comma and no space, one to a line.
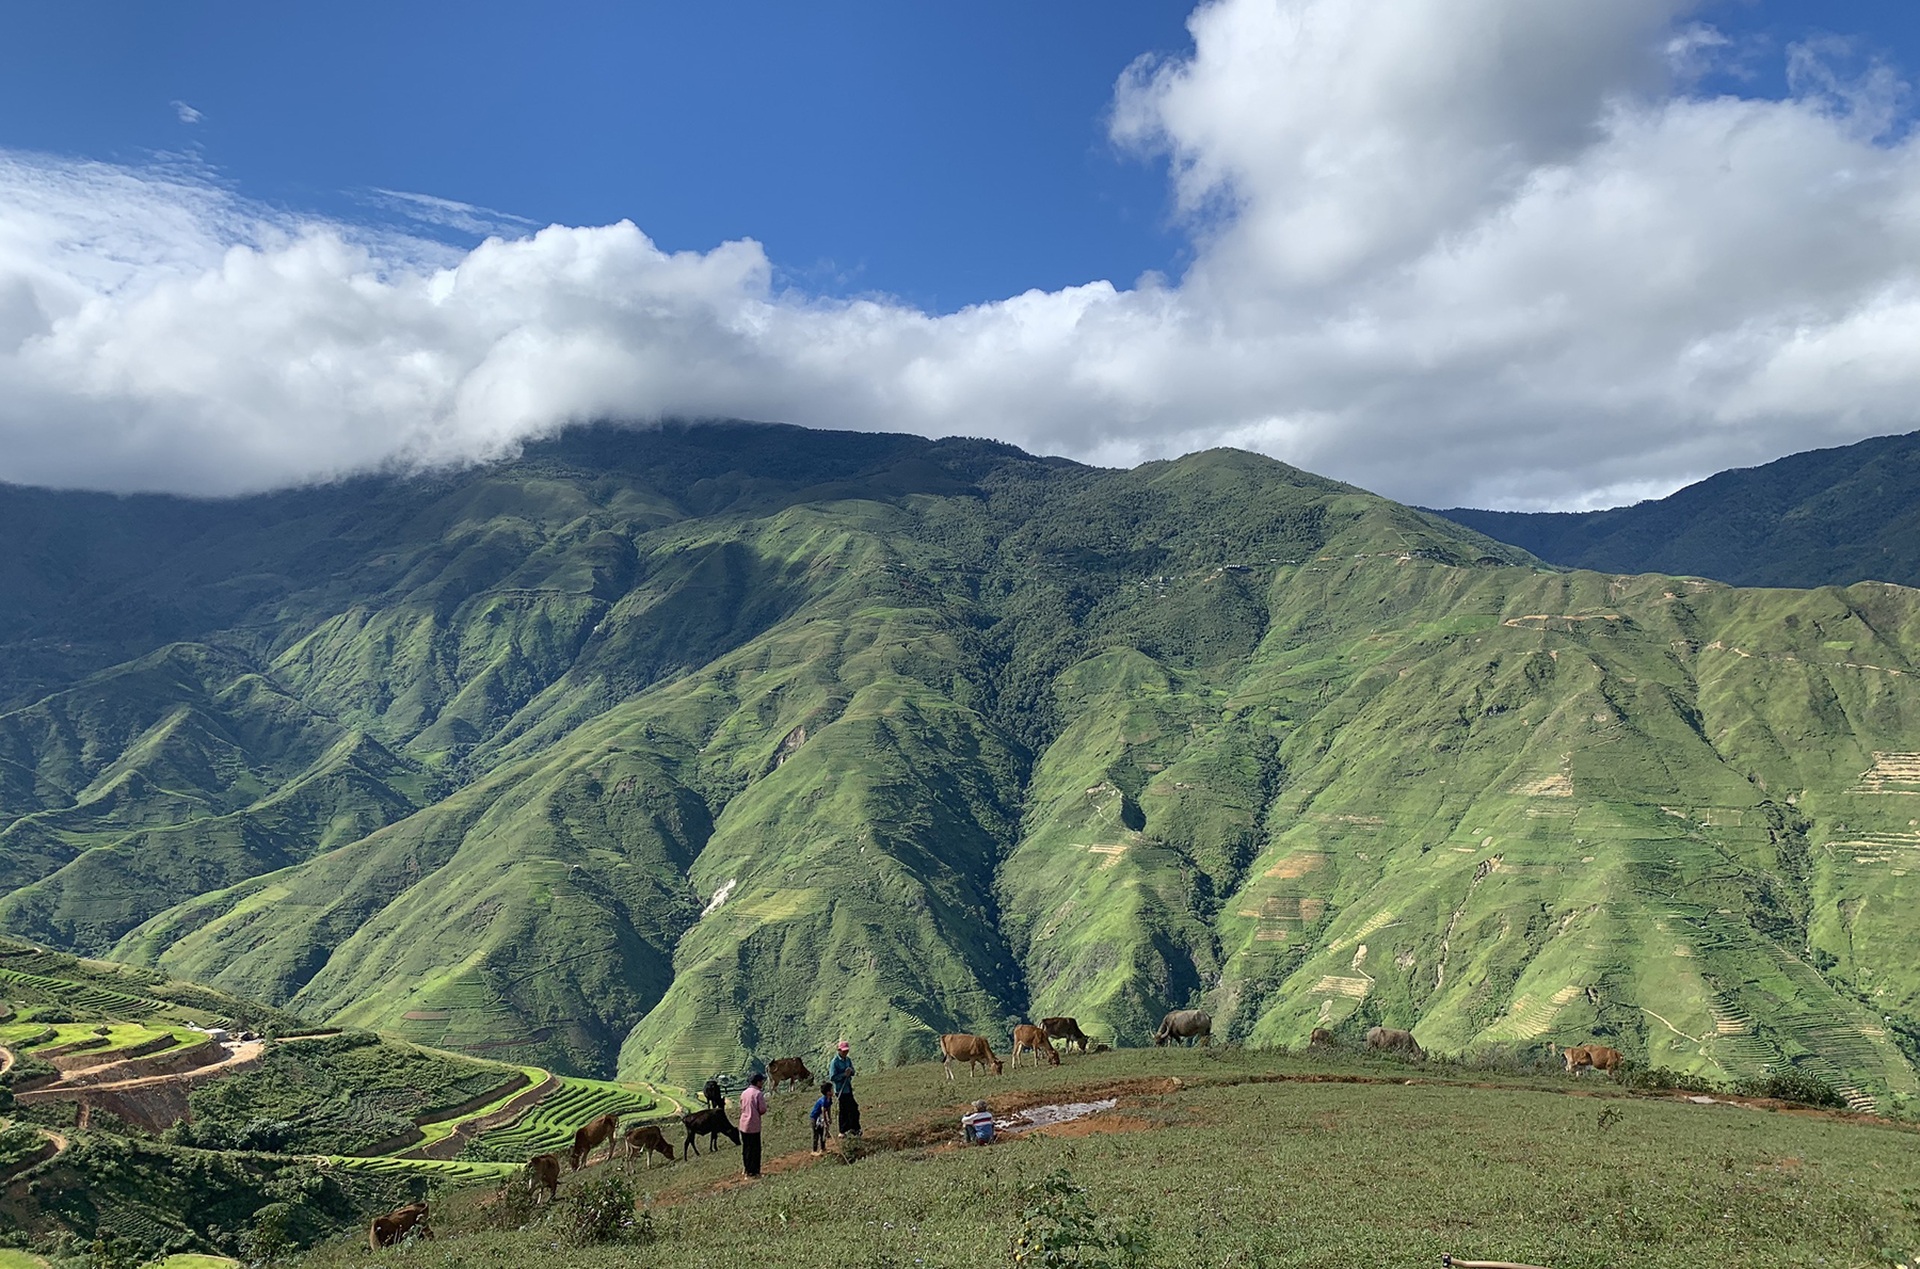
1482,252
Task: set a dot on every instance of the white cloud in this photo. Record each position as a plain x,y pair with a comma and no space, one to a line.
187,113
1461,251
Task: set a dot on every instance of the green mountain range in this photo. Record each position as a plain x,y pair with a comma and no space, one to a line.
1825,517
653,751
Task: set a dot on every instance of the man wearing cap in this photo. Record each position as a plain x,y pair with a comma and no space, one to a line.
840,1074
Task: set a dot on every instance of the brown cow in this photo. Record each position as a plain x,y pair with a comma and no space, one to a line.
780,1070
591,1134
1393,1039
543,1173
1067,1031
1597,1056
971,1049
1321,1038
400,1223
1034,1040
647,1139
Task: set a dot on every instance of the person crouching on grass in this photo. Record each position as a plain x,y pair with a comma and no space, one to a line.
822,1117
753,1104
977,1128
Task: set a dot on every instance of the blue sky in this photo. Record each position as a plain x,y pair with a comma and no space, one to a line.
947,154
1461,251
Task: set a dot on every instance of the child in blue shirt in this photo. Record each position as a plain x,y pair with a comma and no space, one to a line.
822,1117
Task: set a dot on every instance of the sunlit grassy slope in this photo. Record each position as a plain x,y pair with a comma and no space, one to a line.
657,751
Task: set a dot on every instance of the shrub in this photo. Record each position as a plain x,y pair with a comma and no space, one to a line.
598,1211
1059,1228
1792,1085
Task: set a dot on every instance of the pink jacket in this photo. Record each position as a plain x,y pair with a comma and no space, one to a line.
753,1104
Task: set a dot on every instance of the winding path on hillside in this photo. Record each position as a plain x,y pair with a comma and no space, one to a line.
6,1059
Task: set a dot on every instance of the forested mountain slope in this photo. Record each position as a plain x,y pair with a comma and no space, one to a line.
1824,517
662,749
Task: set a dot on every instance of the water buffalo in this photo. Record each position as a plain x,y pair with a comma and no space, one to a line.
1067,1031
1321,1038
1392,1039
1185,1024
971,1049
1034,1040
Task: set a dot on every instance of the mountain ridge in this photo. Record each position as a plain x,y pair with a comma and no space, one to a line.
1823,517
692,755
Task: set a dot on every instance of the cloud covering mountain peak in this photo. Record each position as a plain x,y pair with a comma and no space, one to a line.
1492,253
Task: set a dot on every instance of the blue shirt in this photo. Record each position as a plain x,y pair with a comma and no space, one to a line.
820,1108
841,1073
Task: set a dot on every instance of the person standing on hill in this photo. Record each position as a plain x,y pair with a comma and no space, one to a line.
753,1104
821,1117
840,1075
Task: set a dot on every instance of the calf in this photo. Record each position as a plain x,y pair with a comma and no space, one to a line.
781,1070
971,1049
712,1095
713,1123
1321,1038
649,1140
543,1173
1394,1040
1067,1031
1034,1040
398,1224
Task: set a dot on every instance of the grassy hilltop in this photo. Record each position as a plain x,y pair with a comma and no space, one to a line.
654,751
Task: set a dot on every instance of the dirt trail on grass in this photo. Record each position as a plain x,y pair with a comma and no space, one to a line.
153,1101
6,1059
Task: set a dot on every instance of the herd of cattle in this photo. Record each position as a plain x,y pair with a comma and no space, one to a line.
1190,1026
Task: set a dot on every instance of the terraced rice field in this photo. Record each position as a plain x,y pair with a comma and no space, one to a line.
452,1172
551,1123
79,997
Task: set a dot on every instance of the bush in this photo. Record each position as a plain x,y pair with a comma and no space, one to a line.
1059,1228
598,1211
1660,1078
511,1206
1792,1085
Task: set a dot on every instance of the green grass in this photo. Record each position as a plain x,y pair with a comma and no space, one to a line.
1232,1168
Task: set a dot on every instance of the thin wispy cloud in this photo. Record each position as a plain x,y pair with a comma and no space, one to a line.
1480,252
187,113
446,213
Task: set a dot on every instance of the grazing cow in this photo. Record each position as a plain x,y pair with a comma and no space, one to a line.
1186,1024
647,1139
712,1095
543,1173
1321,1038
781,1070
714,1123
1394,1040
398,1224
1597,1056
1067,1031
591,1134
971,1049
1034,1040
